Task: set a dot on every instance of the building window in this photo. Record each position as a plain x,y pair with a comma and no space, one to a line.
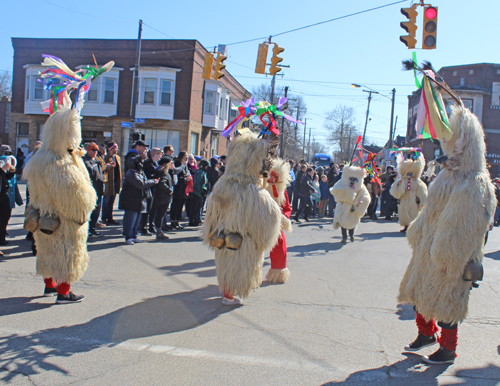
468,103
471,72
149,91
161,138
27,88
193,147
109,90
23,129
92,94
498,71
232,114
39,131
166,92
219,110
462,81
455,73
38,94
209,102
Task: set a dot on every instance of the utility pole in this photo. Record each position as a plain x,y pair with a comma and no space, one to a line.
367,112
296,127
273,83
135,84
282,131
392,117
304,143
395,126
309,148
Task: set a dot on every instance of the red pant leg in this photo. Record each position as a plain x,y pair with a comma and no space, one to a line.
278,253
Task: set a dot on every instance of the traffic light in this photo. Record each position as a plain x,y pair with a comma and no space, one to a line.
219,66
276,59
430,27
260,67
409,26
207,67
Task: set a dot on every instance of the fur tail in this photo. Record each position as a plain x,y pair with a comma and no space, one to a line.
278,276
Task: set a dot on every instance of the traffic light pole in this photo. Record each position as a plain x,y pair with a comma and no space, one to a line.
367,113
392,117
135,84
296,127
304,143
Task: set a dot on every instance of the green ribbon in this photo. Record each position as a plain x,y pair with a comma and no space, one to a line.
414,56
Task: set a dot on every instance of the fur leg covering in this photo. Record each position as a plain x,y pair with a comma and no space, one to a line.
278,276
426,328
49,283
449,338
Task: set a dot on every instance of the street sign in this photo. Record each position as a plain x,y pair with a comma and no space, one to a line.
140,120
126,124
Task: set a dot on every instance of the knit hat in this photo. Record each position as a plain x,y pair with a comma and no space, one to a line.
92,146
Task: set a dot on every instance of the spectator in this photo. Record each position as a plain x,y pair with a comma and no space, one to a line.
222,160
291,187
96,173
20,157
7,172
298,182
169,151
192,164
306,189
113,184
390,177
133,198
383,179
315,197
324,195
102,150
333,176
37,144
139,148
496,220
162,195
179,195
213,173
200,189
150,164
375,191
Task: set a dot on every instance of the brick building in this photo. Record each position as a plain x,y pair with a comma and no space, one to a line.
478,85
176,105
4,119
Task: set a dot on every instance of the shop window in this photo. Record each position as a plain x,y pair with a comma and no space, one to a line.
193,148
23,129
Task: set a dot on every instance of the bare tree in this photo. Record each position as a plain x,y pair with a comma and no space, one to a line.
5,84
341,124
317,147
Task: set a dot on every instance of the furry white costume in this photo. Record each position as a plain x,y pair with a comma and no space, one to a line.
239,205
279,179
351,196
410,189
449,233
59,185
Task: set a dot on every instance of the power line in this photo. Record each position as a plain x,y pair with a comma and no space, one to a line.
85,14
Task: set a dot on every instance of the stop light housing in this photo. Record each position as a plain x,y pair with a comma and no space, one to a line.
275,68
207,66
409,26
260,67
430,28
219,66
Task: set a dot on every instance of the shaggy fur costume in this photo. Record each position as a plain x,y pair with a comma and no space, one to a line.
352,198
279,179
410,189
449,231
238,203
59,184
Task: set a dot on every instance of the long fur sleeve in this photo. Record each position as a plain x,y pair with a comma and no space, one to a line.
421,193
468,218
398,188
342,192
362,201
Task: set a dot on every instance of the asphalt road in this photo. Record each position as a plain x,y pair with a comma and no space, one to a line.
152,315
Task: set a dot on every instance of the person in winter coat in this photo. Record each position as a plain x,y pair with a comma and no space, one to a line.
200,189
375,192
298,183
306,189
162,195
212,173
113,184
179,196
7,172
133,198
315,197
324,195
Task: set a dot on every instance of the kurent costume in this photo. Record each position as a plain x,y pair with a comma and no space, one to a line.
447,239
410,189
61,194
242,219
352,200
278,181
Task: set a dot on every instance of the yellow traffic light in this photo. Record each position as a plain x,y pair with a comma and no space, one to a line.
430,28
409,26
260,67
276,59
207,67
219,66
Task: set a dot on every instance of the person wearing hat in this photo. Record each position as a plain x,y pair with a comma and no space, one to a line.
162,195
96,174
7,172
113,184
139,148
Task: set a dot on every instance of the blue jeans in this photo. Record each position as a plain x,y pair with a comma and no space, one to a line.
95,214
131,222
331,205
305,205
107,207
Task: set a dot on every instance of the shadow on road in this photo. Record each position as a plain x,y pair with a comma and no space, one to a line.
412,371
406,312
381,235
493,255
315,249
194,268
31,354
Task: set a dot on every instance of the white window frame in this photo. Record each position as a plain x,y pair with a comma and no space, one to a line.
40,87
211,110
160,99
155,87
104,85
94,86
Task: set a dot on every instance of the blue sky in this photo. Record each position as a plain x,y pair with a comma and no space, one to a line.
324,60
